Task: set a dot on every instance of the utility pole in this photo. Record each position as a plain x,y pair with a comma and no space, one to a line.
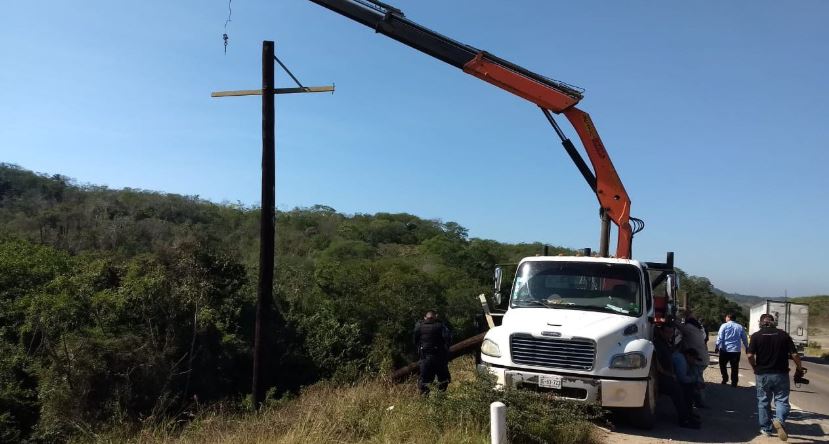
264,291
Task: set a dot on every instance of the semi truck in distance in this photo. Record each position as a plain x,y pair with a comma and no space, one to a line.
790,317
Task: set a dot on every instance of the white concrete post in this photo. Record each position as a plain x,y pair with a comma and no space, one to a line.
498,422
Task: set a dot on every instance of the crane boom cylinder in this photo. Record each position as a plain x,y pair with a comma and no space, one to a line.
572,152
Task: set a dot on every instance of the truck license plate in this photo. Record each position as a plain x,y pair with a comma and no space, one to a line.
546,381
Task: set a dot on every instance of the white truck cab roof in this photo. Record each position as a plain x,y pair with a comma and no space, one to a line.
603,260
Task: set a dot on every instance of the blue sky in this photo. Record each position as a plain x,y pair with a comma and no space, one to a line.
715,114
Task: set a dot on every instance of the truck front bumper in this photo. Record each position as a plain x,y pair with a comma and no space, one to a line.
603,391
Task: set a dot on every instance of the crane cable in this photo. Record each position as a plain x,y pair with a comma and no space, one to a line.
229,14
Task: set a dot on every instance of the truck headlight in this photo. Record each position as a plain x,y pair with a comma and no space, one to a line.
629,361
490,348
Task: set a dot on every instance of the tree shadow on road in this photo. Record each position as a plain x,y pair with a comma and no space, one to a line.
804,426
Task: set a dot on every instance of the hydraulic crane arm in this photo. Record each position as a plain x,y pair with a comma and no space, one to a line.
548,94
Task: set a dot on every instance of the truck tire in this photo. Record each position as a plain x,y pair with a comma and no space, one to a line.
645,416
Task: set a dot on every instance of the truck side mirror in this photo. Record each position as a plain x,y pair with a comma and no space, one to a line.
497,293
498,274
672,287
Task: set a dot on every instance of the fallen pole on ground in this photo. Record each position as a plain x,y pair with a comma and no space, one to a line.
464,347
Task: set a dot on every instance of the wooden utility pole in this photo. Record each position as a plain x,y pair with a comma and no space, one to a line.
264,291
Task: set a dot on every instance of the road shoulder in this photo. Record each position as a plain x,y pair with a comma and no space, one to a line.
731,417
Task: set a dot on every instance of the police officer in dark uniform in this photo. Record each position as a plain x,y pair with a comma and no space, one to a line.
432,339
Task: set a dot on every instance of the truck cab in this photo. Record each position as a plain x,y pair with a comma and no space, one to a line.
581,328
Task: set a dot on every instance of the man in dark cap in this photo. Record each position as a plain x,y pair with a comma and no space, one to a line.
768,353
432,339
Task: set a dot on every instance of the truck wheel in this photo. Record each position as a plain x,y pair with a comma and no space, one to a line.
645,416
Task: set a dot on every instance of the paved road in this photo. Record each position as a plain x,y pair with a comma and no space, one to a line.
815,396
732,415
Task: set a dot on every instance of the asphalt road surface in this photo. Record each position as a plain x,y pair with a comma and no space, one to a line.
731,416
813,397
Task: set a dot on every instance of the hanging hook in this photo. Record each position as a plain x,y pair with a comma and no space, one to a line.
229,14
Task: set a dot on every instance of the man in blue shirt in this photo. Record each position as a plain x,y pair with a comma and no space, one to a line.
728,344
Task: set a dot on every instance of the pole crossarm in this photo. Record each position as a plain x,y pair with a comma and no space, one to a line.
258,92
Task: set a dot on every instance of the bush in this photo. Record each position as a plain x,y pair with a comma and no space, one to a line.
813,349
532,417
375,411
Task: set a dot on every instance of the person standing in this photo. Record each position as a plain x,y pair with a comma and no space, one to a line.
432,339
687,373
690,319
704,329
667,382
693,339
769,353
728,345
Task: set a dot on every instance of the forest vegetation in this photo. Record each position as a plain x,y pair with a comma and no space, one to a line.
133,307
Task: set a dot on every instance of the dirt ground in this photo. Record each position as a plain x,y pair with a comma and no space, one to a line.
730,418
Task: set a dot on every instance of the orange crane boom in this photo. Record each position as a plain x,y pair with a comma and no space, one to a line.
550,95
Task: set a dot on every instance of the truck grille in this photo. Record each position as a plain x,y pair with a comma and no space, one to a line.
571,354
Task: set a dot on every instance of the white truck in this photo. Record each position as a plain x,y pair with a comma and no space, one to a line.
790,317
581,328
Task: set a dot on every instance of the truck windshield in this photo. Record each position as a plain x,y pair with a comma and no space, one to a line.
578,285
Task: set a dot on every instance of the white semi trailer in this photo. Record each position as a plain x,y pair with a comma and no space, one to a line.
790,317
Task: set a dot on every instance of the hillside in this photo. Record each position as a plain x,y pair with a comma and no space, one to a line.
131,303
708,304
134,306
818,307
743,300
